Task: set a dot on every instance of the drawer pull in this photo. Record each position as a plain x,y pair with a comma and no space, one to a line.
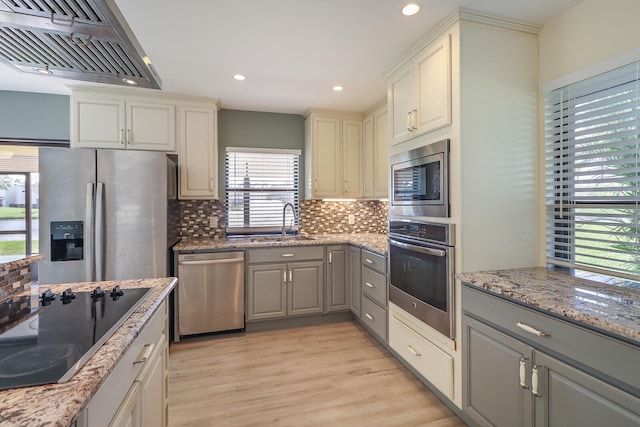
148,349
287,255
534,381
370,317
531,330
413,351
523,373
368,261
370,285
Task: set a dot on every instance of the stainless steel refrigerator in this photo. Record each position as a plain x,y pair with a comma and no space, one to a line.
103,215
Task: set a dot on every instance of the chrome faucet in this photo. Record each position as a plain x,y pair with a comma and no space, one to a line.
284,210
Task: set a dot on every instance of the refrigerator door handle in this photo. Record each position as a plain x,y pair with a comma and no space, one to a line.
99,227
88,232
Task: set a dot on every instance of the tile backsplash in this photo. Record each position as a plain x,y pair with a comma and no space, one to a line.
15,276
316,217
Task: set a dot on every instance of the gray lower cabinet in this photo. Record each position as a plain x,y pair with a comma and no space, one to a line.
373,282
355,267
511,380
281,289
338,292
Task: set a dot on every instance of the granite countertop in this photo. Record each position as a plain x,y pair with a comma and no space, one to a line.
372,242
22,262
60,404
612,307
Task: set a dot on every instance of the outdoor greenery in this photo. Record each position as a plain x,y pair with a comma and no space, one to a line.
16,213
16,247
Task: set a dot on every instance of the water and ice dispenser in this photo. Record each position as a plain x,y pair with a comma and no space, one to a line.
67,240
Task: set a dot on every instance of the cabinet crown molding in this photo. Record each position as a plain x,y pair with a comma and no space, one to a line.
462,14
143,93
355,115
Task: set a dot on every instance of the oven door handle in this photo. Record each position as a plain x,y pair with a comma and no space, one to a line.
428,251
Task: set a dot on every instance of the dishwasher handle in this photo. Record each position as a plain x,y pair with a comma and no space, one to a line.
211,261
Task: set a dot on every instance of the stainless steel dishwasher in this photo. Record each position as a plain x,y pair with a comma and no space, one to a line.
210,292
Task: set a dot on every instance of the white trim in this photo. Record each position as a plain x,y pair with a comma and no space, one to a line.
592,70
262,150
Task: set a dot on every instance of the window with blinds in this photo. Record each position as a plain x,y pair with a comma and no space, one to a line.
593,173
259,183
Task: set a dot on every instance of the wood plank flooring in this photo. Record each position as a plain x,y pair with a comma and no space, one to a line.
327,375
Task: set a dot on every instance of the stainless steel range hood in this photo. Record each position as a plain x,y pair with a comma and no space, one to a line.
85,40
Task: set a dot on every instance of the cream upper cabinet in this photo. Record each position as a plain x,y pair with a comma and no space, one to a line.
333,156
197,152
419,93
106,120
376,154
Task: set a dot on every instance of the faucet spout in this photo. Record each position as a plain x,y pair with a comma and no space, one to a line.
284,210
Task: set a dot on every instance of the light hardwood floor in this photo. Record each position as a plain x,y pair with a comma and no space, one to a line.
327,375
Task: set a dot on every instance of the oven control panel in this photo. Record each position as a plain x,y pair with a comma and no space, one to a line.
423,231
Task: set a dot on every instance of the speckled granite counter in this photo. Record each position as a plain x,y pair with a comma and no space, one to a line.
60,404
612,307
372,242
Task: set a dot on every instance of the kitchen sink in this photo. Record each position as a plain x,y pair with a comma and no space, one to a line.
281,239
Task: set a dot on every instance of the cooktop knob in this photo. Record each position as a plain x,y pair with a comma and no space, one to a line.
116,292
67,296
97,293
47,297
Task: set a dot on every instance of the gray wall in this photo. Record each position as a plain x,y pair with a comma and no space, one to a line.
260,130
34,115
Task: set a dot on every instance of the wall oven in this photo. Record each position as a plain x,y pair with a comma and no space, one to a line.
420,181
421,269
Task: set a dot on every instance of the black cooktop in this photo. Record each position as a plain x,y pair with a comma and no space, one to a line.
46,339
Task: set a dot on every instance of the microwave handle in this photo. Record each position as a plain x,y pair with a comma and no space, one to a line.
428,251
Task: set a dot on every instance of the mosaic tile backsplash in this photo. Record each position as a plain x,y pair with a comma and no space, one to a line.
15,276
316,217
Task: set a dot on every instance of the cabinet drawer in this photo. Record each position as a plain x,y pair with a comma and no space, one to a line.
109,397
429,360
285,254
610,356
374,261
374,285
375,317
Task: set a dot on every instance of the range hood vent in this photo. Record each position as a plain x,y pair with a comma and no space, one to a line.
86,40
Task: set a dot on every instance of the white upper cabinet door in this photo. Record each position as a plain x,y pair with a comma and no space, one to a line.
97,123
327,176
400,102
352,158
151,126
381,154
432,85
197,152
369,157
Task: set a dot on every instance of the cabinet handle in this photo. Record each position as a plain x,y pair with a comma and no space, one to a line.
330,257
370,317
129,137
284,276
414,114
409,121
346,186
370,285
148,349
531,330
368,261
290,276
523,373
413,351
210,184
122,136
534,380
287,255
315,184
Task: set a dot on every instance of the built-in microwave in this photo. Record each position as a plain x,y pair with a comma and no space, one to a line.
420,181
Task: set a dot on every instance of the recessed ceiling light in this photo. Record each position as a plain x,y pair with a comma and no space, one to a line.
338,88
129,81
410,9
44,70
239,77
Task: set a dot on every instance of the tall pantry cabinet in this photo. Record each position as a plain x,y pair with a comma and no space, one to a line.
489,114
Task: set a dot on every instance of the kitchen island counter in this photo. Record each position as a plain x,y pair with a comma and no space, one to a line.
604,303
60,404
376,243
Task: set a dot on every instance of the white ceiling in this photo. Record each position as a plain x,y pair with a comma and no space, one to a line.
292,51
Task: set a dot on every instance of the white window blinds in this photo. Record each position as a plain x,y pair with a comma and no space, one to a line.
592,173
259,182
